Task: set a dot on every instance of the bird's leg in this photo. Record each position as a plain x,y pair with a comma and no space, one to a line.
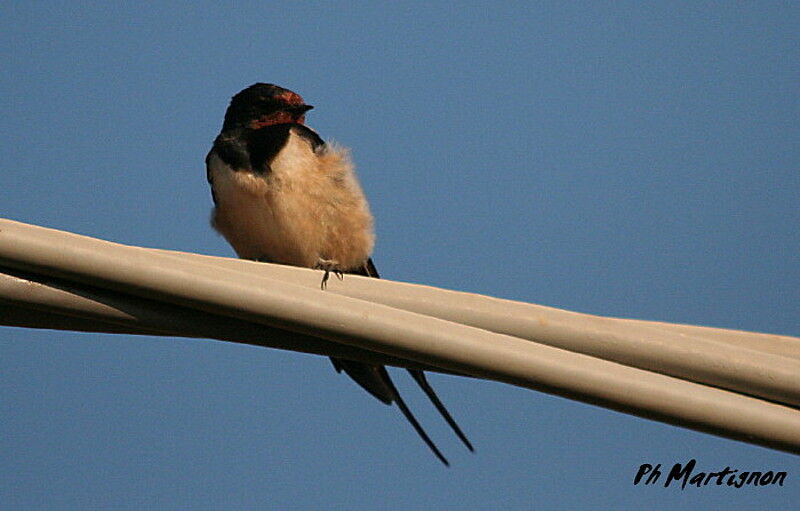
329,266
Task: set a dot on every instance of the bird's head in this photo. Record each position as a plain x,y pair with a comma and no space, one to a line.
264,104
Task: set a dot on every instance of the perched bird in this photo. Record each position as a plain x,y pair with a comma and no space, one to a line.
282,195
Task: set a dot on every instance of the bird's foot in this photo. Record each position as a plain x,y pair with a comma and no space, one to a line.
329,266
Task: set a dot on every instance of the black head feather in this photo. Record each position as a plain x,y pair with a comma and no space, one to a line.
259,101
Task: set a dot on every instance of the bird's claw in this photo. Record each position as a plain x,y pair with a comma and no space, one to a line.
328,266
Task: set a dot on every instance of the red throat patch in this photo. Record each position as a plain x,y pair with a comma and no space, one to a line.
276,118
281,117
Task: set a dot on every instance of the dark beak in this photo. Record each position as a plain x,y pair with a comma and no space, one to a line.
301,109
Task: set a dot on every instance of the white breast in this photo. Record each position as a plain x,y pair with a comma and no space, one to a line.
308,208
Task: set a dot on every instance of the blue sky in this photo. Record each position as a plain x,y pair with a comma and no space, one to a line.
629,160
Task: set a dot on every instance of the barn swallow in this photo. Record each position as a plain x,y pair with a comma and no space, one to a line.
282,195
